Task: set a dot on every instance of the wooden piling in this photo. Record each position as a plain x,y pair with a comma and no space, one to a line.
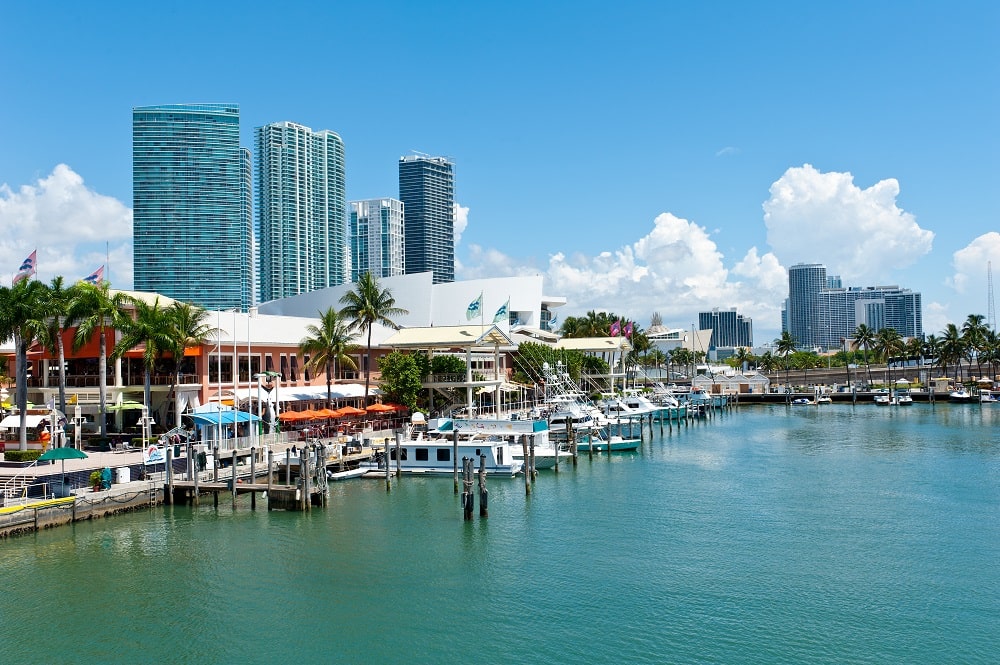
253,477
531,450
270,475
467,496
483,492
454,455
169,498
232,480
197,478
288,466
524,453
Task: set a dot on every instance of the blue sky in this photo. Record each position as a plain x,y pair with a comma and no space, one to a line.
645,157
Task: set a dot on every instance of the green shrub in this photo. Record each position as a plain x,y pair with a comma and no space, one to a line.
95,478
22,455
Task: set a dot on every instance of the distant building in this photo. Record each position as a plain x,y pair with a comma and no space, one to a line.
729,329
427,189
377,239
820,312
191,201
301,210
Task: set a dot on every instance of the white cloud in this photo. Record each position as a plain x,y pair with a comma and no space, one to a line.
461,221
935,318
675,270
73,228
971,261
860,234
727,151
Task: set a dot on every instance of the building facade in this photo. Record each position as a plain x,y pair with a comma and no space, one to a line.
427,189
301,210
377,239
820,313
805,282
729,329
191,200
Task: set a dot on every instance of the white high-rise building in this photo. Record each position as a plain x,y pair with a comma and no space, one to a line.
377,240
302,229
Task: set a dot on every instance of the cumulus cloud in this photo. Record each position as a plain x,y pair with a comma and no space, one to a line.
73,228
461,221
676,270
860,234
971,261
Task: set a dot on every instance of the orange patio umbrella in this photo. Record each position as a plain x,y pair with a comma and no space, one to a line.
350,411
379,408
309,414
326,413
291,416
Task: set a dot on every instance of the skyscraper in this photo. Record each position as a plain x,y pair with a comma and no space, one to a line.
729,329
805,281
427,189
192,225
301,210
377,244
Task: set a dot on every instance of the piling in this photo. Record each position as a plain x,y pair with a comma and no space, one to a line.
253,477
467,496
454,456
270,475
534,472
524,453
483,492
288,466
169,498
232,480
197,478
399,461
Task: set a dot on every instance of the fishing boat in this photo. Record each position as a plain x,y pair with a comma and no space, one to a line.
988,397
598,442
960,396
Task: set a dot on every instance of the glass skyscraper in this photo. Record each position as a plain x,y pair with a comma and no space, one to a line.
805,281
427,189
729,329
301,210
191,201
377,244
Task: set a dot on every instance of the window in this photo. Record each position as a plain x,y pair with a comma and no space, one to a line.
421,455
443,455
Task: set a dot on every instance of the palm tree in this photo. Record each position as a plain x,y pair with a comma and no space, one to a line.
327,346
367,304
96,308
188,328
865,338
149,327
57,302
974,334
952,348
888,343
785,345
22,317
932,349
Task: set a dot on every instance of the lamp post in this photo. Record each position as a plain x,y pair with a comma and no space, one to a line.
269,377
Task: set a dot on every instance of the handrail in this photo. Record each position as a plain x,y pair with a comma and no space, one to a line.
6,489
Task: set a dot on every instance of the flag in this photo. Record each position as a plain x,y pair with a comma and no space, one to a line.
474,308
616,328
502,312
27,268
95,277
627,330
552,322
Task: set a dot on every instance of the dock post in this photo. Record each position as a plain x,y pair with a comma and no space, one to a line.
527,475
305,474
467,497
232,480
484,494
388,468
531,451
215,466
555,449
454,454
253,477
169,498
590,441
270,475
399,462
197,478
190,461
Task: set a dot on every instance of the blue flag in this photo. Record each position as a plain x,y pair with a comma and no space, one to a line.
474,308
502,312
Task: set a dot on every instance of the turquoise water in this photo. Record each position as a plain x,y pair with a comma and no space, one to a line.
774,534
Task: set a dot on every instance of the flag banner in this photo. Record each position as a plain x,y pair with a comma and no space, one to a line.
95,277
627,330
27,268
502,312
552,322
474,308
616,328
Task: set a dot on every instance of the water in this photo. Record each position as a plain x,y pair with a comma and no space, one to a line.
776,534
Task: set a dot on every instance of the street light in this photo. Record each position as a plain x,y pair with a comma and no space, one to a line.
271,377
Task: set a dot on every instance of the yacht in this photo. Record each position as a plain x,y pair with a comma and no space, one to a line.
960,395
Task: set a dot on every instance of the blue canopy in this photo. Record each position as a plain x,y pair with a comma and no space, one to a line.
226,417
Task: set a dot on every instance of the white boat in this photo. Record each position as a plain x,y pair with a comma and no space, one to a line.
961,395
903,398
987,397
824,399
545,455
599,443
801,401
640,404
883,399
436,456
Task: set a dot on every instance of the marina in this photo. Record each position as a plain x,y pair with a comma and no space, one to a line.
767,533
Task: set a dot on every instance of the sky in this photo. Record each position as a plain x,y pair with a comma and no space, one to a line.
667,157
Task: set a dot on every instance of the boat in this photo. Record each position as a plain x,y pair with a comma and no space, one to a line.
597,442
903,398
961,396
801,401
987,397
545,455
883,399
824,399
434,456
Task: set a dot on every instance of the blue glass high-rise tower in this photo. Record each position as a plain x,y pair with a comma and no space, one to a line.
377,241
427,189
301,210
192,223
